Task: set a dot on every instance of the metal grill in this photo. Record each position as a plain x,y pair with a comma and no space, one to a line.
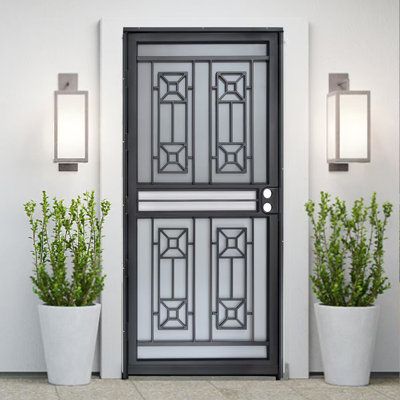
202,144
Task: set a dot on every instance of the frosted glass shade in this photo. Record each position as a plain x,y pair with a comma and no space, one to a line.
348,126
71,126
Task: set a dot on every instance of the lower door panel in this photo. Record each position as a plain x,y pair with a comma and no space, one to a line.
205,291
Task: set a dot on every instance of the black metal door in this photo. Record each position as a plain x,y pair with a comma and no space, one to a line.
202,212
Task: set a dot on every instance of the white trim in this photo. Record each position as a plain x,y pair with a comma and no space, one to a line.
296,182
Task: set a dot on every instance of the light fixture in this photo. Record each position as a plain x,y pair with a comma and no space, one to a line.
348,124
70,123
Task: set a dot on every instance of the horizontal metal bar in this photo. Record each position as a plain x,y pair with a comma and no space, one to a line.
200,343
203,214
203,186
202,29
210,199
172,59
195,367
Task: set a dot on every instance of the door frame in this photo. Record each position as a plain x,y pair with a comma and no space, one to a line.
272,365
295,253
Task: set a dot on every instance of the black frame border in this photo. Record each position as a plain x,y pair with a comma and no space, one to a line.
214,366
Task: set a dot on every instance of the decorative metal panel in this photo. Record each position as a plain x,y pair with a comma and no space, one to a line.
197,265
202,120
231,307
172,91
202,235
231,90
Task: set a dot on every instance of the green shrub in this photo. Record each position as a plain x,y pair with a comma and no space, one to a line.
62,236
348,251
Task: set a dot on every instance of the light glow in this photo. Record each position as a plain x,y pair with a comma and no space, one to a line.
71,126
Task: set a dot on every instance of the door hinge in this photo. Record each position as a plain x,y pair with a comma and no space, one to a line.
125,78
126,204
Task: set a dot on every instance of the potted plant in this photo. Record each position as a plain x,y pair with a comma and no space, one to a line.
348,277
68,278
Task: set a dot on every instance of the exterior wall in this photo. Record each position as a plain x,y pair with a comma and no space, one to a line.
40,39
294,316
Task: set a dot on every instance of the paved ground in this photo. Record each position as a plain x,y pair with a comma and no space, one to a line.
220,388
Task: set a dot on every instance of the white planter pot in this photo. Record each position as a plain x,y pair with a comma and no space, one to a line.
347,339
69,339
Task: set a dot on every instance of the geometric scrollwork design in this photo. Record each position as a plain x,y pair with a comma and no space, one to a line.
173,157
231,157
231,86
173,242
173,87
173,314
231,314
231,258
231,242
231,108
172,101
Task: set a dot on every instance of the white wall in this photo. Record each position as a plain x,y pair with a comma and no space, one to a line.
42,38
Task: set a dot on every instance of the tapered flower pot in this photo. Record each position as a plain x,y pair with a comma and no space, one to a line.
347,338
69,339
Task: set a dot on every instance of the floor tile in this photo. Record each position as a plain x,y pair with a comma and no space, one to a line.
196,388
317,383
388,387
177,390
24,389
100,389
256,390
341,393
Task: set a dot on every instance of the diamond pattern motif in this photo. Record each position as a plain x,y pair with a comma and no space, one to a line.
173,87
173,242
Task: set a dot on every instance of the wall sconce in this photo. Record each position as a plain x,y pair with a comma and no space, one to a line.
70,123
348,124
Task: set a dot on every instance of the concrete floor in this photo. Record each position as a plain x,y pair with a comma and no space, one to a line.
150,388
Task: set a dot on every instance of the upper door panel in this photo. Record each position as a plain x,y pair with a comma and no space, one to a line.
207,113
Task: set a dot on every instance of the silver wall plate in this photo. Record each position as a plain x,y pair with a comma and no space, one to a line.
68,82
338,167
339,81
68,167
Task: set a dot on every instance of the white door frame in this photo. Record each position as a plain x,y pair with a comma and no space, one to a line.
295,340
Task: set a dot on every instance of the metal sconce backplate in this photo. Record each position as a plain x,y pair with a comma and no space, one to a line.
338,167
68,82
68,167
339,82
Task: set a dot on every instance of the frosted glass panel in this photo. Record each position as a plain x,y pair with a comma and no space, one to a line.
354,125
259,119
202,352
202,50
71,125
197,195
331,127
192,200
197,205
